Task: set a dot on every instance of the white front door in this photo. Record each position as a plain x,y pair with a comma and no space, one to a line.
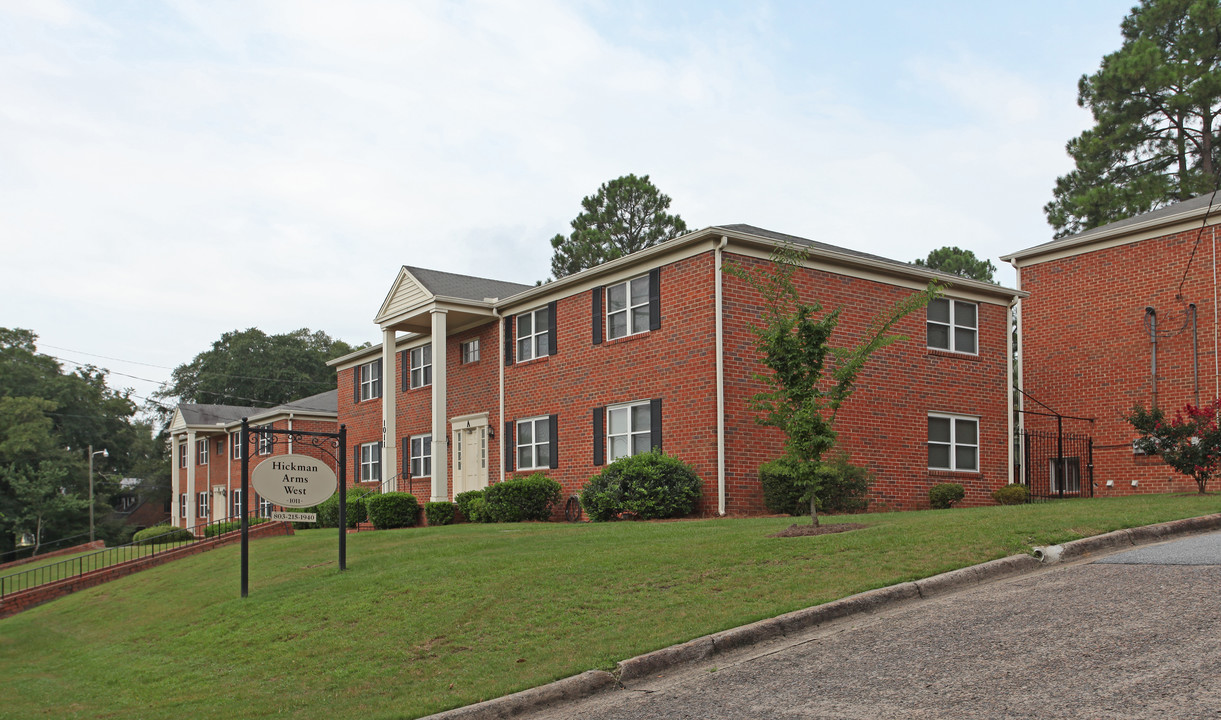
470,458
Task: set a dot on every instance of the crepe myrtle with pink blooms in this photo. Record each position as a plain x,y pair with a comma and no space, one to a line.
1190,442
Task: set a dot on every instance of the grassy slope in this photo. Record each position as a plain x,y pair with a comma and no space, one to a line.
427,619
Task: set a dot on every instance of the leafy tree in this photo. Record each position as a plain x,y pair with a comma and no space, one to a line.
47,420
808,378
1190,442
625,215
250,367
957,261
1155,103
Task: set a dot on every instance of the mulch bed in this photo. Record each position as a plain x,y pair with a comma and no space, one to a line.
806,529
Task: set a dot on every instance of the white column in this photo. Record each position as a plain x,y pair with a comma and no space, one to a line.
440,435
192,458
390,389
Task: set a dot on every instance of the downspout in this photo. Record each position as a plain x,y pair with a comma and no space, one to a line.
1195,352
1010,378
1017,403
229,475
290,426
1151,324
500,420
720,384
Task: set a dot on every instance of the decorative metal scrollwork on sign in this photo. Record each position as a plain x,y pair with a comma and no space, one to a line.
271,438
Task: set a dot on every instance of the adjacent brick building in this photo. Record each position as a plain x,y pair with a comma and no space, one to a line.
1118,316
206,453
655,350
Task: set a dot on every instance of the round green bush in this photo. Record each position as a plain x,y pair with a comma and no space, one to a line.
161,534
463,501
844,489
439,513
392,510
357,510
520,499
1011,495
780,491
649,486
944,495
477,510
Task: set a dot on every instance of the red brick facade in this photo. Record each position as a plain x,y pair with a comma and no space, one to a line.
672,367
1086,347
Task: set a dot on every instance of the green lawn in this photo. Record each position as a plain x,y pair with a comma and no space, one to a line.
429,619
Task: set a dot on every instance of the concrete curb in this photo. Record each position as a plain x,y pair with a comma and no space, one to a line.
701,649
1130,537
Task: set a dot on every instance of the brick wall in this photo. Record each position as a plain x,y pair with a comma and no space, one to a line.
95,545
1086,349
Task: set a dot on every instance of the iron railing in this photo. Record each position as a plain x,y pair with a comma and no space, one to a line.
1057,465
101,559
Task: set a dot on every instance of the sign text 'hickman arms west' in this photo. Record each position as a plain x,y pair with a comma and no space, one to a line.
294,481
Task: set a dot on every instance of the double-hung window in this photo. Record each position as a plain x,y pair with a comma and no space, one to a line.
202,505
534,443
421,366
182,506
953,443
264,507
470,351
201,451
182,456
235,445
265,441
533,338
235,506
371,380
421,456
627,308
953,325
629,430
370,462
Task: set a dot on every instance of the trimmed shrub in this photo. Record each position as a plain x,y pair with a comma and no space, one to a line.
229,526
845,487
477,510
944,495
357,510
463,501
439,513
649,486
159,534
527,498
1011,495
392,510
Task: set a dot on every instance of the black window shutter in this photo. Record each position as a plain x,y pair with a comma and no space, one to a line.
555,441
510,447
381,377
597,313
509,341
405,369
655,299
655,422
356,464
551,344
356,385
406,453
381,471
599,436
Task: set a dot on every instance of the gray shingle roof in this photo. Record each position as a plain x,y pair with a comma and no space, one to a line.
465,287
195,414
325,402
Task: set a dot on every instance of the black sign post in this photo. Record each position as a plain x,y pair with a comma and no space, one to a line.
326,443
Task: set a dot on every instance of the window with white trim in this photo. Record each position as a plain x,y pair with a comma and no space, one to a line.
235,445
421,456
953,325
220,446
953,443
265,441
201,505
533,339
182,455
628,430
201,452
421,366
470,351
371,380
235,503
370,462
182,506
534,443
264,507
627,308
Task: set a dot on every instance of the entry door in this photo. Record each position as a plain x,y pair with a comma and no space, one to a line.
471,458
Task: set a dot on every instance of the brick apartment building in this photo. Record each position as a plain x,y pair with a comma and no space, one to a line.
655,350
206,453
1119,315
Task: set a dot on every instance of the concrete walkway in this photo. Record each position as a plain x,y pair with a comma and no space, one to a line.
1131,635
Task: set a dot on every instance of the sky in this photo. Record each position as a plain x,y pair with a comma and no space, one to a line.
170,171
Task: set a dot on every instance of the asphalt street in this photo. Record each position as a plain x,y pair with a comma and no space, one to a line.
1131,635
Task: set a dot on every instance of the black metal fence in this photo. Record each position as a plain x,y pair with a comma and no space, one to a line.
1056,465
100,559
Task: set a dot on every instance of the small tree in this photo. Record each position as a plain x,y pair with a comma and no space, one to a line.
808,379
1190,442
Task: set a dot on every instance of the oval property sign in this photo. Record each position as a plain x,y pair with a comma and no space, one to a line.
293,481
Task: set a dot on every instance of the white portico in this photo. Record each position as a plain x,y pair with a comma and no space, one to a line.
433,305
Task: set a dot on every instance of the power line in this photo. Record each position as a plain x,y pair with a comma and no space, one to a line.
163,367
